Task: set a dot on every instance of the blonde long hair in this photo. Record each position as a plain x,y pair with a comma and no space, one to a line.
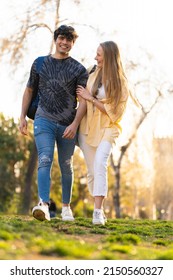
111,75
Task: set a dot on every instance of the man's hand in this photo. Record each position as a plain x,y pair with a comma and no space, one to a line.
70,131
27,96
23,126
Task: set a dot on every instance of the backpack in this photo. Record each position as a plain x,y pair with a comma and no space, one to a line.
35,97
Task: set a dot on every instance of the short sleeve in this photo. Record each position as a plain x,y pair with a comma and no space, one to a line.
33,76
83,77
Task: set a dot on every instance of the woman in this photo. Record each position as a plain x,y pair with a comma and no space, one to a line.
106,95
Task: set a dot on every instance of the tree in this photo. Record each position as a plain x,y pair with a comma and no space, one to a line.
33,19
146,110
11,154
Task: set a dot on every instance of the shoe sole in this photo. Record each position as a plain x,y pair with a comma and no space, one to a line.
39,215
98,223
68,219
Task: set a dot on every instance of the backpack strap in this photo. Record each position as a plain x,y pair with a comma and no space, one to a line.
35,97
39,63
91,69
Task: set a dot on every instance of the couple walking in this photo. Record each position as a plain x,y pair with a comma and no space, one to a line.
95,120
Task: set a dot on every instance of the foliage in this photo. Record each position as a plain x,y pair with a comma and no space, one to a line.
11,157
124,239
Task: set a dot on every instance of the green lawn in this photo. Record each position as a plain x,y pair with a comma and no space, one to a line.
22,237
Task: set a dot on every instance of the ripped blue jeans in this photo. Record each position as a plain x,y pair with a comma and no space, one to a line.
47,133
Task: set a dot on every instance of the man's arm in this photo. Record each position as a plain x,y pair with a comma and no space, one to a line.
71,130
27,96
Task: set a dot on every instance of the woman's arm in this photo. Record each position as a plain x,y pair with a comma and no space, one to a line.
85,94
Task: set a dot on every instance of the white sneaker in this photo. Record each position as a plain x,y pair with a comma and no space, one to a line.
67,214
41,212
98,217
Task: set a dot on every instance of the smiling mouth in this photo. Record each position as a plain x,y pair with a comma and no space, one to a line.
64,47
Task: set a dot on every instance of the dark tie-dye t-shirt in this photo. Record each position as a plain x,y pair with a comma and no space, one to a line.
58,80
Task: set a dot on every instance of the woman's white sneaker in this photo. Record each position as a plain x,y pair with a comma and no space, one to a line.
98,217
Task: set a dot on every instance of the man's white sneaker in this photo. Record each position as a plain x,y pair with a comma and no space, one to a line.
67,214
98,217
41,212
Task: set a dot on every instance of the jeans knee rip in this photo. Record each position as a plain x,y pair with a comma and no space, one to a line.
44,160
66,167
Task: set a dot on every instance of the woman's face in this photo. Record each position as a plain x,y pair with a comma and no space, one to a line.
99,57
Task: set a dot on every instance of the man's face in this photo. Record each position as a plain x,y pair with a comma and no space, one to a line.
63,44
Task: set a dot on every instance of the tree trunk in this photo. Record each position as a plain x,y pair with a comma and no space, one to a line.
116,169
117,191
26,202
124,148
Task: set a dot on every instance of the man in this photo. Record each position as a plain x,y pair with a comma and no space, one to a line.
57,118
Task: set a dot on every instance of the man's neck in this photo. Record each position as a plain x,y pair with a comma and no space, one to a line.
60,55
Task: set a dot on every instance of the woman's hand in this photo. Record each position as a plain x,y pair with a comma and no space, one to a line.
84,93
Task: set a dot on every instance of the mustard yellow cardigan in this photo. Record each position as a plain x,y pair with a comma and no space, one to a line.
99,126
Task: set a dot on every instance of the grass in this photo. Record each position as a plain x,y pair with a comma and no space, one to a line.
23,238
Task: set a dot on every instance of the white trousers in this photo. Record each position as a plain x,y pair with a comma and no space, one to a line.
96,159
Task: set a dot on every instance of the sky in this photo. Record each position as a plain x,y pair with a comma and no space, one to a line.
133,24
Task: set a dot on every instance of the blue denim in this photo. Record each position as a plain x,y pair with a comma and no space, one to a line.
47,133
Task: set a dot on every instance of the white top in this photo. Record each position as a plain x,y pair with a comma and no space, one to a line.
101,93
